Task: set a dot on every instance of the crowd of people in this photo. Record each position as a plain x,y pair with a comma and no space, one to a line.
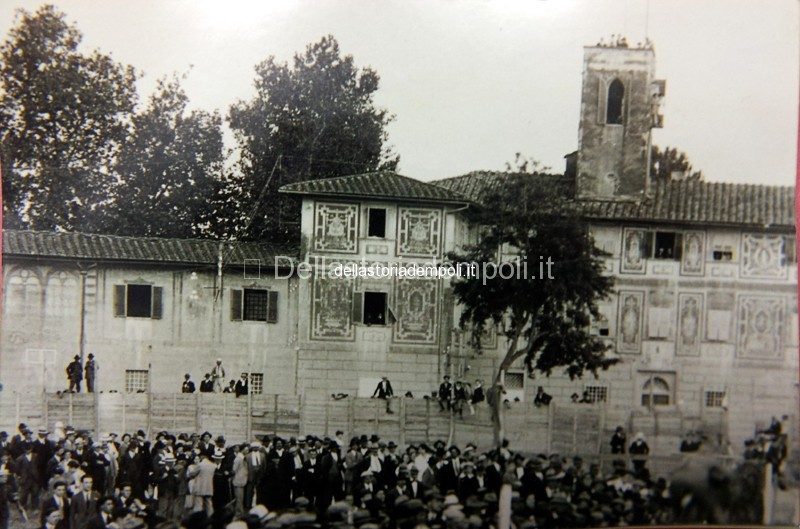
70,480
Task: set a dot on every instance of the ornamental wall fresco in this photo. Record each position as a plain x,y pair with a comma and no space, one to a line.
415,306
690,313
419,232
336,228
762,256
331,309
633,245
760,327
693,255
629,337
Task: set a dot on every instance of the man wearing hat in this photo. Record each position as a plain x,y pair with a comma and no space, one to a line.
207,384
203,485
91,372
75,374
384,391
188,385
639,448
218,375
445,393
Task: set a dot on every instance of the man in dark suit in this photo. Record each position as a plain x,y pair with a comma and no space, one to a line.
241,386
384,391
446,393
188,385
58,501
207,384
26,468
83,506
75,374
478,394
103,517
416,489
42,450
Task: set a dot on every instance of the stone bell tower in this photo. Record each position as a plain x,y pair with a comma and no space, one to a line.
619,107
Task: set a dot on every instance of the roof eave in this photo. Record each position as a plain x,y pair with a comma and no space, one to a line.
385,198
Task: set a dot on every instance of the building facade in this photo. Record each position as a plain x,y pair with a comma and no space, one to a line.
703,316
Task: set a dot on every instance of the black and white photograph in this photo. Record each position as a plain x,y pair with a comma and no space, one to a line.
399,264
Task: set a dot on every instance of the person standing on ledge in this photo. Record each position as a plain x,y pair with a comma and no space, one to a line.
241,386
75,375
91,373
218,374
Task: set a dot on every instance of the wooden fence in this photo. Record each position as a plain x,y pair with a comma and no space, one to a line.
561,428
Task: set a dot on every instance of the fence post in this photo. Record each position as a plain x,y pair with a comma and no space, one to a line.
275,416
351,419
16,405
71,420
550,411
174,412
225,412
428,421
96,402
198,413
574,431
124,426
249,419
402,422
46,410
327,416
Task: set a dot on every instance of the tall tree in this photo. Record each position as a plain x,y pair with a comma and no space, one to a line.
669,163
63,116
544,310
315,118
169,168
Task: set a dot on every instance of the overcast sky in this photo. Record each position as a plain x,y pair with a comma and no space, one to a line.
472,82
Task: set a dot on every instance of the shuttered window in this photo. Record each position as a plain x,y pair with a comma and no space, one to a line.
254,304
138,301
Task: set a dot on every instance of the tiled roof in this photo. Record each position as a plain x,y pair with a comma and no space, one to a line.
84,246
380,184
680,201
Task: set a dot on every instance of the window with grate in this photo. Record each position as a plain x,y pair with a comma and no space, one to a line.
715,399
255,304
136,380
656,392
514,380
256,383
597,393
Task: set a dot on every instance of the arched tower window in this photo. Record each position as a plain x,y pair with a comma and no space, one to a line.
616,95
656,392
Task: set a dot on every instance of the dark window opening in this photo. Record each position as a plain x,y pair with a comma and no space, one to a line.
723,255
616,96
667,245
255,304
375,308
789,250
139,303
377,223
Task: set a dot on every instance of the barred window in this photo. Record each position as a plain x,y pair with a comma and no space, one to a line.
255,304
514,380
597,393
136,380
715,399
256,383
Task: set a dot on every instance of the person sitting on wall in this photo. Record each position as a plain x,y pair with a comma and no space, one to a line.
618,441
586,398
384,391
478,394
188,385
541,398
207,384
230,387
241,386
445,394
574,398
